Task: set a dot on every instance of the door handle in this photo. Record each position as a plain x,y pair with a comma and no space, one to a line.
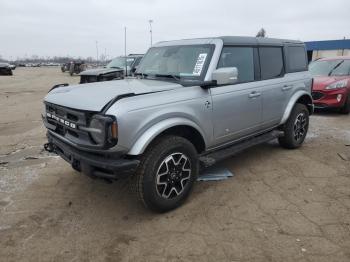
287,87
254,94
207,104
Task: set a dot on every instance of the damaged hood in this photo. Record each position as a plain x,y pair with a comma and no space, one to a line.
94,96
100,71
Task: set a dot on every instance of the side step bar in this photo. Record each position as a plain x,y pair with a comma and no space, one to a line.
221,154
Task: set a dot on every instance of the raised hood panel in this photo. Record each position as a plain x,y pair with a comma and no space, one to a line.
94,96
99,71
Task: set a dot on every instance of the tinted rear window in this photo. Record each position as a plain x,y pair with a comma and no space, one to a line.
296,59
271,62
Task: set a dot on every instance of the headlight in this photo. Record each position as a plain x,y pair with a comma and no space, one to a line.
97,131
338,84
103,130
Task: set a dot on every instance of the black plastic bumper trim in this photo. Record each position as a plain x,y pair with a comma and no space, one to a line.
109,166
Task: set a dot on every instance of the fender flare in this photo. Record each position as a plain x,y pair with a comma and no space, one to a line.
151,133
291,104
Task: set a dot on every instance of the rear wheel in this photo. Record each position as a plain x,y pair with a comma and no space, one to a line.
296,127
346,108
166,173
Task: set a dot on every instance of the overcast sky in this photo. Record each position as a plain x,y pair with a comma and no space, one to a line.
71,27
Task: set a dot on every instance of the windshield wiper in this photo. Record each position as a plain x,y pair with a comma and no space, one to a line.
177,78
335,67
116,67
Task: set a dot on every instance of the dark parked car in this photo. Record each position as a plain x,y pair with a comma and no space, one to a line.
114,70
65,67
5,69
76,67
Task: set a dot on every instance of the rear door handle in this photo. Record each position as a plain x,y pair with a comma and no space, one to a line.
254,94
287,87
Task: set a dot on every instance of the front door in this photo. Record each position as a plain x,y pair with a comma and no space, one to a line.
237,108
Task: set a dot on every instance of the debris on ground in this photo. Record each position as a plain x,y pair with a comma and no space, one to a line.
343,156
30,158
3,163
214,174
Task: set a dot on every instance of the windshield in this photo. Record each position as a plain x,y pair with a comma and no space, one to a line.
119,62
337,67
189,62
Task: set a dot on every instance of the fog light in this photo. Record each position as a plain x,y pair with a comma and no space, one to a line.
339,97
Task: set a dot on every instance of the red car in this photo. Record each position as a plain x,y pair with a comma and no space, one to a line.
331,87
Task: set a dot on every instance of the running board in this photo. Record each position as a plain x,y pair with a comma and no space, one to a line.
221,154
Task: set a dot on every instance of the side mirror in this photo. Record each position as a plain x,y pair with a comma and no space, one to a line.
225,75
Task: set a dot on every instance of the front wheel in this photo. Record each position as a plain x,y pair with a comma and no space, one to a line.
296,127
166,173
346,108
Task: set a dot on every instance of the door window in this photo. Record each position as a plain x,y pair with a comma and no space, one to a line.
240,57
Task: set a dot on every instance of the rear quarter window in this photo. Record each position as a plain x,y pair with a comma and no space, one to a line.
296,59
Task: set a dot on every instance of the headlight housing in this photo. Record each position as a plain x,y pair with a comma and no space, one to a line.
103,130
338,84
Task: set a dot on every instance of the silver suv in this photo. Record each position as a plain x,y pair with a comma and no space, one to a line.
194,102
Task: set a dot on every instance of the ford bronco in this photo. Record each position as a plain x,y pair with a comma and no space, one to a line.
194,102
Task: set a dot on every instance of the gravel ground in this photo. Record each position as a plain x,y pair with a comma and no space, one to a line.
281,205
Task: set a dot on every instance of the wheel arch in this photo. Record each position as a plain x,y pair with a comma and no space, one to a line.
178,126
301,97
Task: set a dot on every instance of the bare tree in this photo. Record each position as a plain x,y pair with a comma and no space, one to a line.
261,33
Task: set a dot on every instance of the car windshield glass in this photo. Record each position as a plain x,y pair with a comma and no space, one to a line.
175,62
119,62
330,68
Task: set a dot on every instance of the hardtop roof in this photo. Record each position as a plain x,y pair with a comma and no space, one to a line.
256,40
233,40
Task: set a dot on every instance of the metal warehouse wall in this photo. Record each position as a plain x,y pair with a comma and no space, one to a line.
329,53
328,48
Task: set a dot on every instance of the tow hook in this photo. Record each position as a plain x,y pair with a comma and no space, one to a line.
49,147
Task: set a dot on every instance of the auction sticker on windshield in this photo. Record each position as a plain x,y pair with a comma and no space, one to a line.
199,64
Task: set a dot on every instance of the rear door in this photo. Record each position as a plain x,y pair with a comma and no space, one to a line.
275,90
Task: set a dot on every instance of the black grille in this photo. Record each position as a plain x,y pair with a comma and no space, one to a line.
75,118
88,79
317,95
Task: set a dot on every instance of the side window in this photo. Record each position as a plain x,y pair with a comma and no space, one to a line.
240,57
296,59
271,62
137,61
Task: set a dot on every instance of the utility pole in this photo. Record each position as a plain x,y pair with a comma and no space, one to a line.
126,65
150,29
96,52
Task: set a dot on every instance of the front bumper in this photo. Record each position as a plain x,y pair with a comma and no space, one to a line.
329,98
107,166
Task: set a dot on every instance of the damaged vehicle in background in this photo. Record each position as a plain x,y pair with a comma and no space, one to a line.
331,85
65,67
77,67
5,69
194,102
113,70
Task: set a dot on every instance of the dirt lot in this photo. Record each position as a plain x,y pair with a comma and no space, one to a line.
281,205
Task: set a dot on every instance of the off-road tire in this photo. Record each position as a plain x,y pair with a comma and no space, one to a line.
346,108
144,182
292,137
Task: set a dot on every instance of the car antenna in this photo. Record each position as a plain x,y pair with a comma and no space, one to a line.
126,65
